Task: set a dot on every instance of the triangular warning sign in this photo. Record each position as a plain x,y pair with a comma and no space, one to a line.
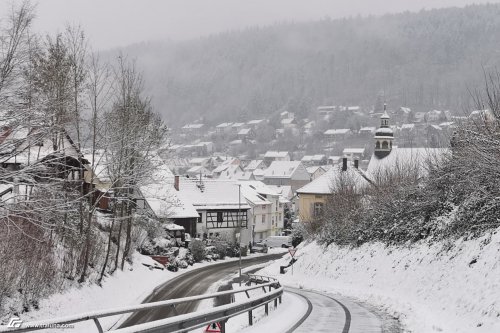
213,328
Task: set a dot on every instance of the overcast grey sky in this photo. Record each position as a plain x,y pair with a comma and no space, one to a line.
111,23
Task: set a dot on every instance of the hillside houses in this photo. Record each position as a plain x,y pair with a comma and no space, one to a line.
271,156
287,173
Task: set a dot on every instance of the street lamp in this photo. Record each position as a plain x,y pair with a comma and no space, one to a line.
239,226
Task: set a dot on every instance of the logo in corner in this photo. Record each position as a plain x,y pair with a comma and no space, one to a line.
14,322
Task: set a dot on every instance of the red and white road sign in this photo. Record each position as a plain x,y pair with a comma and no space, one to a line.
213,328
292,251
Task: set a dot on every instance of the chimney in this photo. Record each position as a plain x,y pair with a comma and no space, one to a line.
344,163
356,163
176,183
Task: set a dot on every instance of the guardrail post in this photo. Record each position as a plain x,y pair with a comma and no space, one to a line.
98,324
250,318
275,303
223,326
266,309
279,299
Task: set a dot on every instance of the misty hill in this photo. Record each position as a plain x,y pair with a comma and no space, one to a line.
422,60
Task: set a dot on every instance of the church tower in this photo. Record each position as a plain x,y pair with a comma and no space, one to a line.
383,136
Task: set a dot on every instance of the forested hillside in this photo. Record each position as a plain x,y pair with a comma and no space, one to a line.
423,60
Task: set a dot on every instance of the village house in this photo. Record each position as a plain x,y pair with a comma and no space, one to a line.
354,153
271,156
367,131
198,171
255,164
315,172
266,213
246,134
333,135
313,196
222,211
223,129
254,124
312,160
287,173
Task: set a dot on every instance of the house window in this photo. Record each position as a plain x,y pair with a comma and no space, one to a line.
200,218
263,218
220,217
318,208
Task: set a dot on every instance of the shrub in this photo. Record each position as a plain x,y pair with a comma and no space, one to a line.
221,249
197,249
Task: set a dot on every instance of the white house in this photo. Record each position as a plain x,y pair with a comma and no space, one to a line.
289,173
266,215
270,156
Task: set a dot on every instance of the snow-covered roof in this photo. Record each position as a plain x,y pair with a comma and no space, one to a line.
173,227
384,131
224,125
408,126
212,194
287,121
254,164
333,179
253,191
284,192
236,125
406,158
276,154
192,126
313,169
367,129
235,142
337,131
255,122
244,131
230,171
199,160
225,165
353,151
281,169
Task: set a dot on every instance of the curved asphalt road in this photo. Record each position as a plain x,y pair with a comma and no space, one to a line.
334,313
191,283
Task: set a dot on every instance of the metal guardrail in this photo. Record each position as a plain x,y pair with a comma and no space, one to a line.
178,323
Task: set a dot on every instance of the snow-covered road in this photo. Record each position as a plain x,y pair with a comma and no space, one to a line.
333,313
305,311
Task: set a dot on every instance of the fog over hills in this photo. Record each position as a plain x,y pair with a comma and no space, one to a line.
423,60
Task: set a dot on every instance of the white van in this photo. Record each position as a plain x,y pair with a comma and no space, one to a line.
278,241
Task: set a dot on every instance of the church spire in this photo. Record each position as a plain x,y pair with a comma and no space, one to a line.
384,136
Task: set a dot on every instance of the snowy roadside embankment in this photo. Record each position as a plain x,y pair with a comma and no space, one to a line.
442,287
128,287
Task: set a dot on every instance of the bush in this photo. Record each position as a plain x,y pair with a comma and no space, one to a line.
298,234
197,248
221,249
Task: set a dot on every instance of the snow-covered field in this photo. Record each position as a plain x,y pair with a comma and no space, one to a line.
121,289
443,287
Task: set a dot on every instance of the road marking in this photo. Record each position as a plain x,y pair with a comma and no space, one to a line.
347,313
304,317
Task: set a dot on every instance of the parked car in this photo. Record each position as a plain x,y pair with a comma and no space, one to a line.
278,241
258,248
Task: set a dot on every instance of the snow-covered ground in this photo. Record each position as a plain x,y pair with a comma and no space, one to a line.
121,289
443,287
